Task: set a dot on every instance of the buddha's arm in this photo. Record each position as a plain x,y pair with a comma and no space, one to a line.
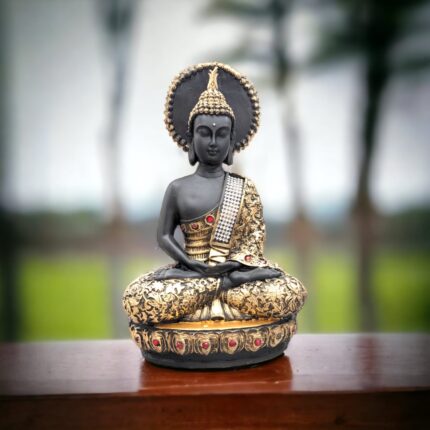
167,223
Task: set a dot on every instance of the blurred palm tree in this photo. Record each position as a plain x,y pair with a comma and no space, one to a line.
116,17
377,32
274,15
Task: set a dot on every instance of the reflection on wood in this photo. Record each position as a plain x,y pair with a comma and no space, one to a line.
360,381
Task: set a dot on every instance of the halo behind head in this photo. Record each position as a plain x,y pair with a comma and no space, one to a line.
187,90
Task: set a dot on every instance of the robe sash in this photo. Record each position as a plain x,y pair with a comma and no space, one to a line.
220,243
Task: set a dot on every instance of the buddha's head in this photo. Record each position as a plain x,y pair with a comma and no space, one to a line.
212,140
211,127
200,117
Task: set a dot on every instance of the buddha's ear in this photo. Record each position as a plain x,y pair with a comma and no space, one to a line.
192,158
229,159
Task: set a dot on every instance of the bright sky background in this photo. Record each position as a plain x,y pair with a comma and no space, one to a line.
59,83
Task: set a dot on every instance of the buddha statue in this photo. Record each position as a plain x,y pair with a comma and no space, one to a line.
221,303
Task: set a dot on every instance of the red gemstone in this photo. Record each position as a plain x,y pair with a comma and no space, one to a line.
210,219
205,345
194,226
180,345
232,343
248,257
258,342
155,342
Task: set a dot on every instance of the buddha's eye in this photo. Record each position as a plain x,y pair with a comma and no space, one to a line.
204,131
223,132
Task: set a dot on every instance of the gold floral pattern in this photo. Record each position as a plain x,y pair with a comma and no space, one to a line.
272,298
150,301
250,231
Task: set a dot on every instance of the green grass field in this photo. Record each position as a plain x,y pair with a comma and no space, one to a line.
68,297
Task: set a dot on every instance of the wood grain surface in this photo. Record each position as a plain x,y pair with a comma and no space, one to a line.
323,381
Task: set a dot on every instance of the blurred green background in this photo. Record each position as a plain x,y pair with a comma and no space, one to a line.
67,297
341,158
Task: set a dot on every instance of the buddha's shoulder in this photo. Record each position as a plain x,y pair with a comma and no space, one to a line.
182,180
185,181
179,184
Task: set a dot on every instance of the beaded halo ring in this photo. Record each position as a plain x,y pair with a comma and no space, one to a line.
184,93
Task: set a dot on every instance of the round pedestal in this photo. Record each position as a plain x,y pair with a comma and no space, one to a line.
213,344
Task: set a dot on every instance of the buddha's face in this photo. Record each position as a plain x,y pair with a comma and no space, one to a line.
212,138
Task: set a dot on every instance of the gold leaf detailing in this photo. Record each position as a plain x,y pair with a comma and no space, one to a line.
212,341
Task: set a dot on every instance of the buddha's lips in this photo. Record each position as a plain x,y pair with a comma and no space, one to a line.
213,151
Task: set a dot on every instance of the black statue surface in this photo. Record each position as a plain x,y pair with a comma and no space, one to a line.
192,196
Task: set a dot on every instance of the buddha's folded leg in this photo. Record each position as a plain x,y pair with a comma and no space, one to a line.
150,301
279,297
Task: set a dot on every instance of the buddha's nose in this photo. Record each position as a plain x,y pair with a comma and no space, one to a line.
213,141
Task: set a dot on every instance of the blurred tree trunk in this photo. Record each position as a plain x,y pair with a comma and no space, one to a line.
116,217
376,78
301,230
117,19
9,244
371,30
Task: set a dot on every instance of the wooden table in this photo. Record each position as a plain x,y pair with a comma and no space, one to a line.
323,381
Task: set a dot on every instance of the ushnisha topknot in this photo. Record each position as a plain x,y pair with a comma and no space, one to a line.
211,101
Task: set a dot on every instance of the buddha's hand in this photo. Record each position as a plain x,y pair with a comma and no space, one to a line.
198,266
223,268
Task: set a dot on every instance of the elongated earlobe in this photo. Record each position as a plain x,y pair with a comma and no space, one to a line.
229,158
192,155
